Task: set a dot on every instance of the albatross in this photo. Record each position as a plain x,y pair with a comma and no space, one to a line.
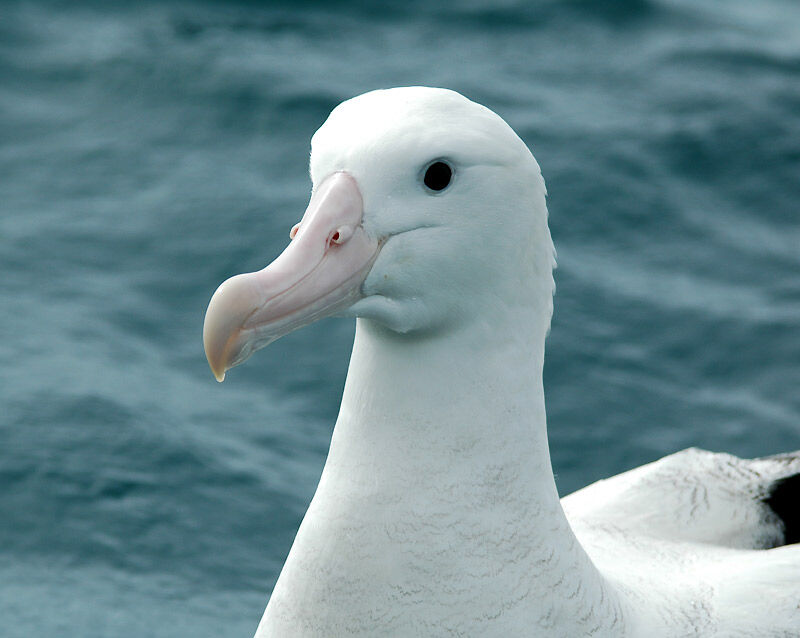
437,512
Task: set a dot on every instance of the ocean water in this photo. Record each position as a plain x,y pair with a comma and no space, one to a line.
150,150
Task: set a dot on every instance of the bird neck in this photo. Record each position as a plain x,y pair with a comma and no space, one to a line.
437,511
444,407
438,487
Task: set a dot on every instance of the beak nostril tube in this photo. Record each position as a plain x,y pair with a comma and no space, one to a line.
341,235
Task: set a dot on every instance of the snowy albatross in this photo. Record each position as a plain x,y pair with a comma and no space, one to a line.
437,513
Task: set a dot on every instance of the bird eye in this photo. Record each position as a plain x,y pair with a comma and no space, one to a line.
438,176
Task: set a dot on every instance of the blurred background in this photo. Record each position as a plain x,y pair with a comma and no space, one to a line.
150,150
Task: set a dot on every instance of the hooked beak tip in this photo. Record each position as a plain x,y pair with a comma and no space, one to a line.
229,308
217,365
219,359
218,368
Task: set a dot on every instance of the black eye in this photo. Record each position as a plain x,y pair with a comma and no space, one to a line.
438,176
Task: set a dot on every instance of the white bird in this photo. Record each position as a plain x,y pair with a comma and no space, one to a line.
437,513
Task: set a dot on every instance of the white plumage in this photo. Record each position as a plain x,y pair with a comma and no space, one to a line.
437,512
694,536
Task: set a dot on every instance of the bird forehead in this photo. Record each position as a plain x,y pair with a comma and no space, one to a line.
405,128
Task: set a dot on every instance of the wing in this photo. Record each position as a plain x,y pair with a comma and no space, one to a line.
699,497
758,594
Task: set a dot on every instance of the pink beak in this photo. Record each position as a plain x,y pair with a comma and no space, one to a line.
319,273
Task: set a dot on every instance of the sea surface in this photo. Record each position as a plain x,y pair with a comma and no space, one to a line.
150,150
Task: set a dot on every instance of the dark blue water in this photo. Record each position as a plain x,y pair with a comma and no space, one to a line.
148,153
